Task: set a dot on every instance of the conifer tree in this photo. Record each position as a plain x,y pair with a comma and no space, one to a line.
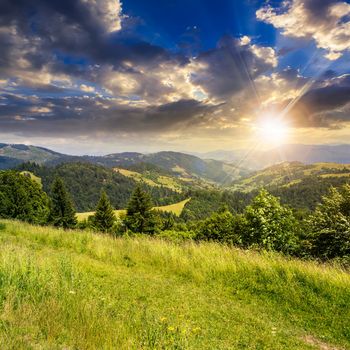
62,212
140,216
104,217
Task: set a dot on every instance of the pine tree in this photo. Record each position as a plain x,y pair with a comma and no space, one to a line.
62,212
104,217
140,216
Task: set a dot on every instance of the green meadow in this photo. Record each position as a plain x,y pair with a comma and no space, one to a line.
175,208
79,290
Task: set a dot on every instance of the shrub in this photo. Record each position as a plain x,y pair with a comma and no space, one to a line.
221,226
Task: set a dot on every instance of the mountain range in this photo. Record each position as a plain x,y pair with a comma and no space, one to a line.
177,164
259,159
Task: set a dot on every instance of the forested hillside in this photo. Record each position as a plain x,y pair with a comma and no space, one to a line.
174,163
85,181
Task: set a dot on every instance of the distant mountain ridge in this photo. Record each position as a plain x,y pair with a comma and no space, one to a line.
174,163
259,159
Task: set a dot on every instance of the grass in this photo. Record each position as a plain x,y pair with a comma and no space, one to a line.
32,176
157,181
175,208
136,176
85,215
78,290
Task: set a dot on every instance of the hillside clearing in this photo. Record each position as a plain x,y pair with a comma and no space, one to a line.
77,290
175,208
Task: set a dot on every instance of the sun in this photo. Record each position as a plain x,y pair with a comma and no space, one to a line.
272,131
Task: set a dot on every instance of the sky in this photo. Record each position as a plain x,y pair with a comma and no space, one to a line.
103,76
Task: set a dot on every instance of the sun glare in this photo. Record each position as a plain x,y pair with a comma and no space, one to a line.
272,131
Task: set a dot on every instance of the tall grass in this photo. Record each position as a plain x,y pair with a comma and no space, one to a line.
78,290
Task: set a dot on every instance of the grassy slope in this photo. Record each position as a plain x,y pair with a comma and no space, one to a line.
290,173
175,208
78,290
157,181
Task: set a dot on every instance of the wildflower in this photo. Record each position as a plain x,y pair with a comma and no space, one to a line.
171,328
71,292
163,319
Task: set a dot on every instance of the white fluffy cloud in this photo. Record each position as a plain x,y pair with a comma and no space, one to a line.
326,22
109,11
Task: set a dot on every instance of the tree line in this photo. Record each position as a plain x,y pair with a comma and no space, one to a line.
265,223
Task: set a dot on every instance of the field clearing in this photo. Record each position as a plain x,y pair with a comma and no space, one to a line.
175,208
136,176
335,175
159,181
77,290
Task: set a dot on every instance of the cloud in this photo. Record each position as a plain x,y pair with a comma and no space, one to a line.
95,115
327,104
108,10
232,66
324,21
77,69
87,88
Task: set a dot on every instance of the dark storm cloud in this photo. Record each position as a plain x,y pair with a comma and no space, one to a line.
231,67
324,106
81,116
52,29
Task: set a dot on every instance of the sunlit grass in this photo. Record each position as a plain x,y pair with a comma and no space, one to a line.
175,208
78,290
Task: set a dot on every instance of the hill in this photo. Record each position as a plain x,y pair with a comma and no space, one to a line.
299,185
85,182
258,159
62,289
291,173
181,165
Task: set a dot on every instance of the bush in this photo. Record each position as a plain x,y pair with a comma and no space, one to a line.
221,226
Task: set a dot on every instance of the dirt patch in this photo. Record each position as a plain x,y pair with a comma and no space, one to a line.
309,339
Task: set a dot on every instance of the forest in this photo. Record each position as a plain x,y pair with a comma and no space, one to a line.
279,220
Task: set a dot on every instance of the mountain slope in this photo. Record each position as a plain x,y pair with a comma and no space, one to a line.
258,159
173,163
85,181
290,173
73,290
